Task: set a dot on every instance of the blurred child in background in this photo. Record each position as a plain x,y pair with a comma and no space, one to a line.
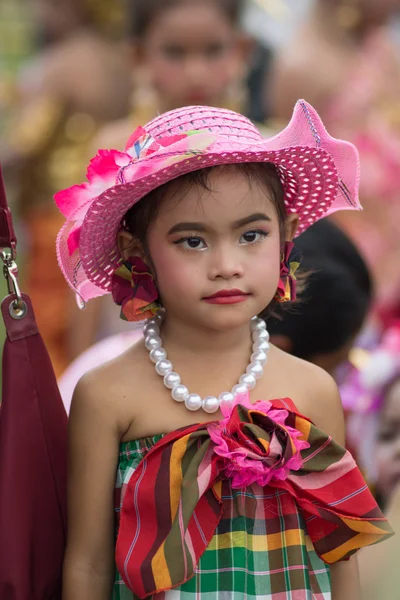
185,52
322,327
371,395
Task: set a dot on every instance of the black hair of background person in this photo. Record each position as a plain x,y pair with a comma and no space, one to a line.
337,295
257,109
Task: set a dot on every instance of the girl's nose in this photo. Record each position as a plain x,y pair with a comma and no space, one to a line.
226,264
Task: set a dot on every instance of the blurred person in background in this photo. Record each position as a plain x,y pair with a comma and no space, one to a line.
334,304
371,395
343,60
184,52
79,80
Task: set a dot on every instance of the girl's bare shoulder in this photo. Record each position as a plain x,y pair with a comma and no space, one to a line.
312,389
117,386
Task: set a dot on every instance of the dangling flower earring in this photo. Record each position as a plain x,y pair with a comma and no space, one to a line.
133,289
290,262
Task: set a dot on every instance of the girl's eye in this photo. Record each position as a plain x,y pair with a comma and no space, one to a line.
251,237
191,243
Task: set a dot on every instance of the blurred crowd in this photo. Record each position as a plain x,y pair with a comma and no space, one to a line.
78,75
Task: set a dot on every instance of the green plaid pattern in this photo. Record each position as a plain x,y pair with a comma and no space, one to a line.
244,558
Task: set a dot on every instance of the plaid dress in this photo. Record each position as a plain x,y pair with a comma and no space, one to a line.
187,530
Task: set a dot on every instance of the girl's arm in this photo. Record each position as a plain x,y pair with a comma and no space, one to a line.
379,566
345,580
327,414
93,452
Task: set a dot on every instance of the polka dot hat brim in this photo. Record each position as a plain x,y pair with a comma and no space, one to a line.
319,174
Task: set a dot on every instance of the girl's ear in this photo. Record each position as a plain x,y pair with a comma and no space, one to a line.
129,246
291,225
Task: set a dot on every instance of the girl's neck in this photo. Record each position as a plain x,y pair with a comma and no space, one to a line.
186,337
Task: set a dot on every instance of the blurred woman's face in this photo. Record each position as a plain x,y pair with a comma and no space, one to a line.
191,54
388,443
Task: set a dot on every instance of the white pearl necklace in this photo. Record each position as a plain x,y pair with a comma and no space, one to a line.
180,392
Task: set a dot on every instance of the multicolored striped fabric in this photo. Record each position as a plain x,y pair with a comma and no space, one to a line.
213,511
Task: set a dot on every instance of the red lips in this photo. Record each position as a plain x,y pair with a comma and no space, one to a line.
226,294
227,297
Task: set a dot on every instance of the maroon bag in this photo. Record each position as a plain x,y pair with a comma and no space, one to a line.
33,447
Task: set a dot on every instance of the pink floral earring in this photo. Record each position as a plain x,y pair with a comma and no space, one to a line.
290,262
133,289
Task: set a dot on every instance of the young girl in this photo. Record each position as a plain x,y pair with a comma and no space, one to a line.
221,488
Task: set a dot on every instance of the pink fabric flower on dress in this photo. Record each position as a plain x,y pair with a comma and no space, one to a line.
265,449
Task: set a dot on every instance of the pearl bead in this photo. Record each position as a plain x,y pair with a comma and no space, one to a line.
158,317
150,322
256,369
260,357
258,324
163,367
248,380
152,341
210,404
157,354
193,402
261,345
152,330
239,389
180,393
261,335
171,380
226,398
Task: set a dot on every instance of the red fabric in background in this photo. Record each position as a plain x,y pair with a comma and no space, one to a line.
33,459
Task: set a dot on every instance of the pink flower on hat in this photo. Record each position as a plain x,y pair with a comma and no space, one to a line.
111,167
257,453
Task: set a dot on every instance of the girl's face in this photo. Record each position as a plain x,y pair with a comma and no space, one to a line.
191,53
225,240
388,443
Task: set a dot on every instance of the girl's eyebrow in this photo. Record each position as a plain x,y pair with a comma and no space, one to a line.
201,227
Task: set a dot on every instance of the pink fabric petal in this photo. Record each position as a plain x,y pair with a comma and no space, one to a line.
102,173
73,240
104,167
244,461
71,199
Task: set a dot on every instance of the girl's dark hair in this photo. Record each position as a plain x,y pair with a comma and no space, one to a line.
337,297
143,12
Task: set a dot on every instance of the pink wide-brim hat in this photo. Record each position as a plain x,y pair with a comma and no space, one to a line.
319,174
